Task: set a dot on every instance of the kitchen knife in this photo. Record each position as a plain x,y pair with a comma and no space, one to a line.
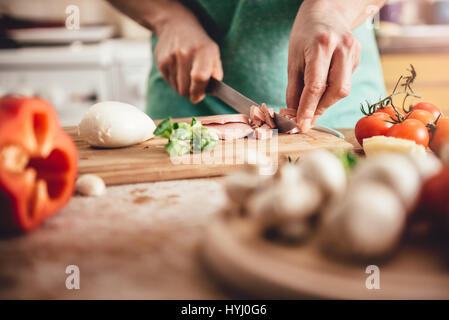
242,104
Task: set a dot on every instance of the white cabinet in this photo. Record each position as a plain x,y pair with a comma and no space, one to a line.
74,77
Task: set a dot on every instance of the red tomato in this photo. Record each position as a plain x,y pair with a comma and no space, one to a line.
410,129
422,115
374,125
429,107
390,111
433,201
440,135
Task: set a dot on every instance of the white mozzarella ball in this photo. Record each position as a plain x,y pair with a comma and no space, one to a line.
114,124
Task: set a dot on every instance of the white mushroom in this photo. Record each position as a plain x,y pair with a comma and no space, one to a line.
323,168
284,202
426,164
241,184
90,185
289,175
393,170
369,222
114,124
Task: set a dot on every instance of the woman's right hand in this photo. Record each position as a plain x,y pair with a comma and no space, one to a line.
186,56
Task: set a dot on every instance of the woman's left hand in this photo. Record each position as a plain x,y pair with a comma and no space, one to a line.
323,54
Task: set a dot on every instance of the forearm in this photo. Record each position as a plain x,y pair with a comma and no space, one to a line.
155,14
355,12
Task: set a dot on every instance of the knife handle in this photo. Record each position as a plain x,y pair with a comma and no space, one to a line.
211,86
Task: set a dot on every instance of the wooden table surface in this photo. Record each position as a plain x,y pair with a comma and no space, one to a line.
135,242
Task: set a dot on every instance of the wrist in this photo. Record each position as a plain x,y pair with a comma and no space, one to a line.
321,15
171,15
349,13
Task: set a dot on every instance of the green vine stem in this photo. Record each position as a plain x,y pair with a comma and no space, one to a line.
432,127
406,83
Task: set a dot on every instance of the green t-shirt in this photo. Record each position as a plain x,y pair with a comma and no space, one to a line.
253,36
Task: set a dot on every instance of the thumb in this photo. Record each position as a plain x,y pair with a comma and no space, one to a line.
217,72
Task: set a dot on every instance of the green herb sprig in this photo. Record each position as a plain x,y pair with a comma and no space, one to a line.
186,138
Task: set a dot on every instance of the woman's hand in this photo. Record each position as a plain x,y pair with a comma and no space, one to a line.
187,57
323,54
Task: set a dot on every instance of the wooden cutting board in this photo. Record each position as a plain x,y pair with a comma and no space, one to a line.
240,257
149,161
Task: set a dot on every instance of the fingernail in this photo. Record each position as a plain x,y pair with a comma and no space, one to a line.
306,125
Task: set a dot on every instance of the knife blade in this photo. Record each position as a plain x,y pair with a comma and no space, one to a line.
243,104
230,96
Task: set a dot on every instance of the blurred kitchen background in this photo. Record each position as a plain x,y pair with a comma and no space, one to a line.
109,57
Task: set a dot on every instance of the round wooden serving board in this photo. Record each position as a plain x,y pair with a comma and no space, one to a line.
237,255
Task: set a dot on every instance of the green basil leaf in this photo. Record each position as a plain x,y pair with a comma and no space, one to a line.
179,125
177,148
164,129
185,138
181,134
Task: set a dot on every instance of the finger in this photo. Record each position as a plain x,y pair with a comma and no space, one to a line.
166,66
183,67
200,75
217,72
315,82
172,70
295,81
356,55
339,81
164,69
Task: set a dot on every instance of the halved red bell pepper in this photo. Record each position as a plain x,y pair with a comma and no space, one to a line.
38,163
